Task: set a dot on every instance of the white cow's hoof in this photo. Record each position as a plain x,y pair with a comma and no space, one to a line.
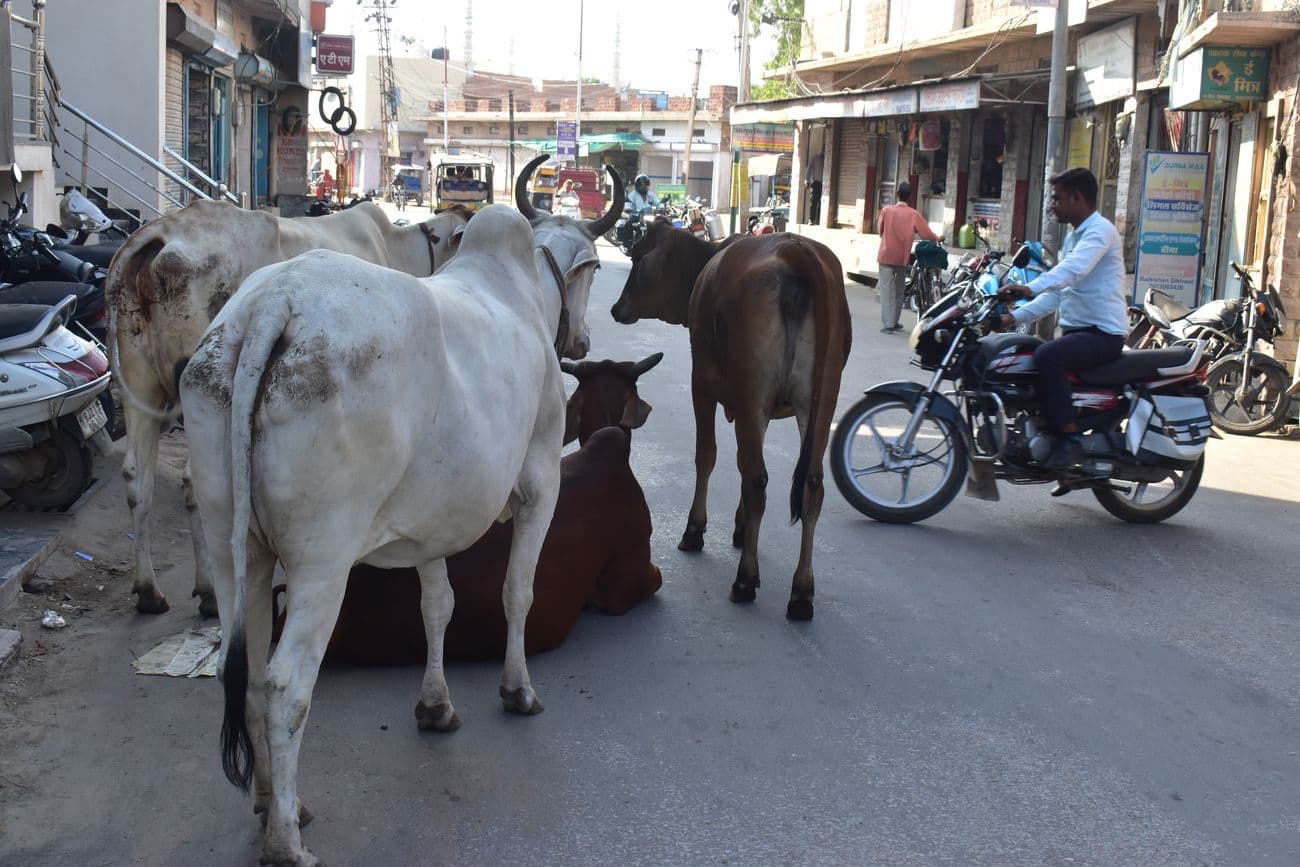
521,700
304,815
298,859
439,718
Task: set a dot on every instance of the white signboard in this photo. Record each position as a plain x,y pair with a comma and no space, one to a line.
890,102
957,96
1105,65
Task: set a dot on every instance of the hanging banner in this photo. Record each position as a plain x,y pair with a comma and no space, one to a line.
1169,234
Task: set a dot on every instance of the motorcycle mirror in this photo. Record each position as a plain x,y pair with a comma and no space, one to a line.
56,230
1022,258
16,171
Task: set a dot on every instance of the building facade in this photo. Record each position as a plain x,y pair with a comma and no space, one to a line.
215,90
951,95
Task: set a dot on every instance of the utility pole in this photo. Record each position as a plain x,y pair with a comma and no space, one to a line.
690,123
446,110
1056,156
744,51
577,131
510,158
388,94
740,165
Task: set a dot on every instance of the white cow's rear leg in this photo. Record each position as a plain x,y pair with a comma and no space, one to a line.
315,596
434,710
539,487
138,469
202,575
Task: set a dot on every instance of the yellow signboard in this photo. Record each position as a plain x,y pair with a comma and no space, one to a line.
1079,154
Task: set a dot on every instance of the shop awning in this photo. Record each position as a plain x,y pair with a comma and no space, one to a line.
933,97
592,144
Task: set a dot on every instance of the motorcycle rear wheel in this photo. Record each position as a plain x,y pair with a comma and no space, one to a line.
860,452
1266,403
1133,509
72,465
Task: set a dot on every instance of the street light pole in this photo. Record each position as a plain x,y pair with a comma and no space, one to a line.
446,116
1056,156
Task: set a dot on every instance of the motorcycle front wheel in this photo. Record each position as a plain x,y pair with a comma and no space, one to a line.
886,481
1153,502
1264,405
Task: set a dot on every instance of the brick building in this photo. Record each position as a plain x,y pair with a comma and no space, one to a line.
637,132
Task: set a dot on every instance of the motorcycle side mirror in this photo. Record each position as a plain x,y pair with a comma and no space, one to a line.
16,172
1022,258
56,230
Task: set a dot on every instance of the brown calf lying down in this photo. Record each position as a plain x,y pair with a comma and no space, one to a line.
596,553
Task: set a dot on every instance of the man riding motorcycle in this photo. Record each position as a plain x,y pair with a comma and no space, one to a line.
1088,288
642,198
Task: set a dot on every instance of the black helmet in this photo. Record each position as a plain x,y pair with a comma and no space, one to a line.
641,179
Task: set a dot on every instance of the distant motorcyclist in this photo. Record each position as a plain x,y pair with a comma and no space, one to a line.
642,198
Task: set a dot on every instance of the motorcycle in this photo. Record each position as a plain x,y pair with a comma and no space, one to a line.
1251,404
630,229
50,413
900,453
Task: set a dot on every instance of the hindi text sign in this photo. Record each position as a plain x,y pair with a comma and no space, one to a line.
1169,234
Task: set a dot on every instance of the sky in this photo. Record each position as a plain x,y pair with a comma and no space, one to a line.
541,39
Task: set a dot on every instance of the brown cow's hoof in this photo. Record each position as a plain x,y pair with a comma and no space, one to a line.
207,603
521,701
150,601
799,609
441,717
692,540
743,592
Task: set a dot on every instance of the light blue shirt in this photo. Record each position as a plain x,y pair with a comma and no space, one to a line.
1087,285
640,202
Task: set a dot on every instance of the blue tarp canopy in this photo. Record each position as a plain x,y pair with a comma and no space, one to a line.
593,144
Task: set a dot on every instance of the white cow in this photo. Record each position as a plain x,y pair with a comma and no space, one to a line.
168,282
341,413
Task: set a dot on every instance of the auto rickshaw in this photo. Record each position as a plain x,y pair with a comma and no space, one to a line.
462,180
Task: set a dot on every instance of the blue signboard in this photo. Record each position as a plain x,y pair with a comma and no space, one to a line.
1169,235
566,139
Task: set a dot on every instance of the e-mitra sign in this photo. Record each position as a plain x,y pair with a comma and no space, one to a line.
1169,234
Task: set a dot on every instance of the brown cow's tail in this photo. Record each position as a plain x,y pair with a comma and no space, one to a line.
808,265
266,324
129,269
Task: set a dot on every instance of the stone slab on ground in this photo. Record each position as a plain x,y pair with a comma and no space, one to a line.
11,642
22,550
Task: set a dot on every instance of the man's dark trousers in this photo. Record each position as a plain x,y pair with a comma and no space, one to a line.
1076,349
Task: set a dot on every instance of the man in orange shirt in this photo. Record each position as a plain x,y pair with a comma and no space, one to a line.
899,224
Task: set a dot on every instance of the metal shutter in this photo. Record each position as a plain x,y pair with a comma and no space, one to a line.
851,168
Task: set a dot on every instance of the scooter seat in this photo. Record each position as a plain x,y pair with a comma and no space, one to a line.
17,319
1136,365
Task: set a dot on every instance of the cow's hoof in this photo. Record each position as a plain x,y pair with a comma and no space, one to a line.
207,603
799,609
743,592
521,701
298,859
692,540
149,600
439,718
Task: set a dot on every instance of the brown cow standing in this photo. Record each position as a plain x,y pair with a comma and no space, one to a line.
770,334
597,550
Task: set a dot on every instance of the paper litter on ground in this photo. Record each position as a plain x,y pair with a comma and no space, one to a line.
192,653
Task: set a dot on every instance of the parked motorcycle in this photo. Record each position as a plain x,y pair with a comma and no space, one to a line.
1241,404
631,228
900,453
50,415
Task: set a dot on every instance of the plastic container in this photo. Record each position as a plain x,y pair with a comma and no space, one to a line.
966,237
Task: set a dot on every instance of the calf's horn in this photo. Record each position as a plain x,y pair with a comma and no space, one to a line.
521,188
601,225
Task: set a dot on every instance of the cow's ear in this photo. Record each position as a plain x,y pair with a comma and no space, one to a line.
572,417
635,412
573,273
455,237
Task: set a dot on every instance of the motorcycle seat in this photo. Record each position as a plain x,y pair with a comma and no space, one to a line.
1136,365
96,254
47,292
1168,306
19,319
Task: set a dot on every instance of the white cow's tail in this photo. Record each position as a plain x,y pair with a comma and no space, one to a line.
265,328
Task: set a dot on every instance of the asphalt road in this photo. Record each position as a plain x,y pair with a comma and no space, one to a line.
1030,681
